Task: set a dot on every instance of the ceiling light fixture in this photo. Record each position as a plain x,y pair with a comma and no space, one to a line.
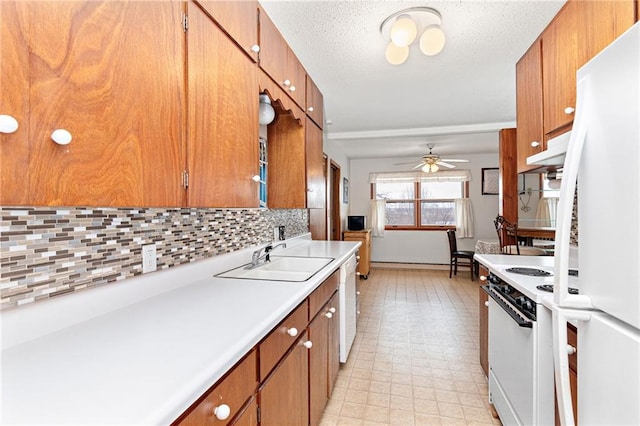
402,29
430,168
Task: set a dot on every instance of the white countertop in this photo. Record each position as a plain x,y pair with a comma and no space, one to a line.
141,352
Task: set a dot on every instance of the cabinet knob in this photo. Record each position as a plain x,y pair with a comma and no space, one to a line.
358,273
328,315
358,293
292,88
486,303
286,83
535,144
255,48
332,310
61,136
310,109
293,332
483,277
222,412
255,178
357,257
309,189
8,124
358,312
308,344
571,349
569,110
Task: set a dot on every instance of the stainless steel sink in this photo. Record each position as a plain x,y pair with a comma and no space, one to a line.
280,268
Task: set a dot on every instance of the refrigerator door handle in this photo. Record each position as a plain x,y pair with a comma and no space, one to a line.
565,204
560,317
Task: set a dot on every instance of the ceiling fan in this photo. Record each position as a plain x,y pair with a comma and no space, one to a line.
431,162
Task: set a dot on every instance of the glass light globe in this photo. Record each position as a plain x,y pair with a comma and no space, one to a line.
432,41
266,113
430,168
403,31
396,55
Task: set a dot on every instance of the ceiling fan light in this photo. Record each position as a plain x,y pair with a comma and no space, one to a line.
430,168
404,31
432,40
396,55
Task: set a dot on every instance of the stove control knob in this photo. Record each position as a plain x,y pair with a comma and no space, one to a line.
506,289
521,301
527,305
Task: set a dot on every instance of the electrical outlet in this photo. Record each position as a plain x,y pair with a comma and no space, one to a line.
149,260
276,233
281,233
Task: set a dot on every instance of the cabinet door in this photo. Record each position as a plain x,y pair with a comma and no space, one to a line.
284,397
223,118
314,105
297,76
111,74
530,138
239,19
334,342
559,66
316,192
318,364
273,50
14,101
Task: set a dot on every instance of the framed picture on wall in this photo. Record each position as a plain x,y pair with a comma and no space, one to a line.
345,190
490,181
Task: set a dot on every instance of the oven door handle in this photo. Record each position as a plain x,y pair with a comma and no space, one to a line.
508,309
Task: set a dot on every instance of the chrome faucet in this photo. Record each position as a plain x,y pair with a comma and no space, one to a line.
257,255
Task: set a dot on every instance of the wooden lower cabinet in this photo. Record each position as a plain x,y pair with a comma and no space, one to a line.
572,340
235,391
364,263
483,299
288,377
324,360
283,397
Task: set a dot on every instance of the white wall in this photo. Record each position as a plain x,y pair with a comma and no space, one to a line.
423,246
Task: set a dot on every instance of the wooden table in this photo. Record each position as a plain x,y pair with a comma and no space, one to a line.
540,232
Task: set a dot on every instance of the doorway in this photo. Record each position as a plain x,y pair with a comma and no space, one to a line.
335,233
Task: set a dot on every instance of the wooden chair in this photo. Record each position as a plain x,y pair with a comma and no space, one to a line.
456,256
508,239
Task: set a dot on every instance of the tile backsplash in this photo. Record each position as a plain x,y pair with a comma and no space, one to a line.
49,252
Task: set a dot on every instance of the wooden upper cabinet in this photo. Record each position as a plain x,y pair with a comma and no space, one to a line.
315,177
530,138
239,19
279,62
223,118
314,103
112,75
559,66
14,101
578,32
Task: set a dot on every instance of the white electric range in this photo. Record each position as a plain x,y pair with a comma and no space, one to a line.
520,337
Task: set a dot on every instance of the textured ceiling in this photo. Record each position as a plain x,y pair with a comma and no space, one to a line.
456,99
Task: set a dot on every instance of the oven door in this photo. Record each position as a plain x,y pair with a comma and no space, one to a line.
511,367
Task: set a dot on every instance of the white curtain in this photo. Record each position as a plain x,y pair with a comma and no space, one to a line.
547,211
461,175
378,217
464,218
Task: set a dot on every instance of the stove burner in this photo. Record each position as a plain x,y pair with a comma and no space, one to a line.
549,288
529,271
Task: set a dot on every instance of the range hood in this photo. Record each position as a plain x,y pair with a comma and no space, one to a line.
554,154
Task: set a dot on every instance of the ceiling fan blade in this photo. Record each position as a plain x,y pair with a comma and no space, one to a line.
454,160
417,166
401,164
447,165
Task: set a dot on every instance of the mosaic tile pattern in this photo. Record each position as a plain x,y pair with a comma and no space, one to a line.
48,252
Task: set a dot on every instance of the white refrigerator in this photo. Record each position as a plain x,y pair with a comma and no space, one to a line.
603,156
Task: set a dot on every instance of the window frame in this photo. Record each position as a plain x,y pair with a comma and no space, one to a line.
417,204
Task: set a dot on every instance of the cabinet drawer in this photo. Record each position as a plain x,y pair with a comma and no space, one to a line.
274,346
323,293
233,390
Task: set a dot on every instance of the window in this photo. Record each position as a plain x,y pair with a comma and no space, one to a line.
416,202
